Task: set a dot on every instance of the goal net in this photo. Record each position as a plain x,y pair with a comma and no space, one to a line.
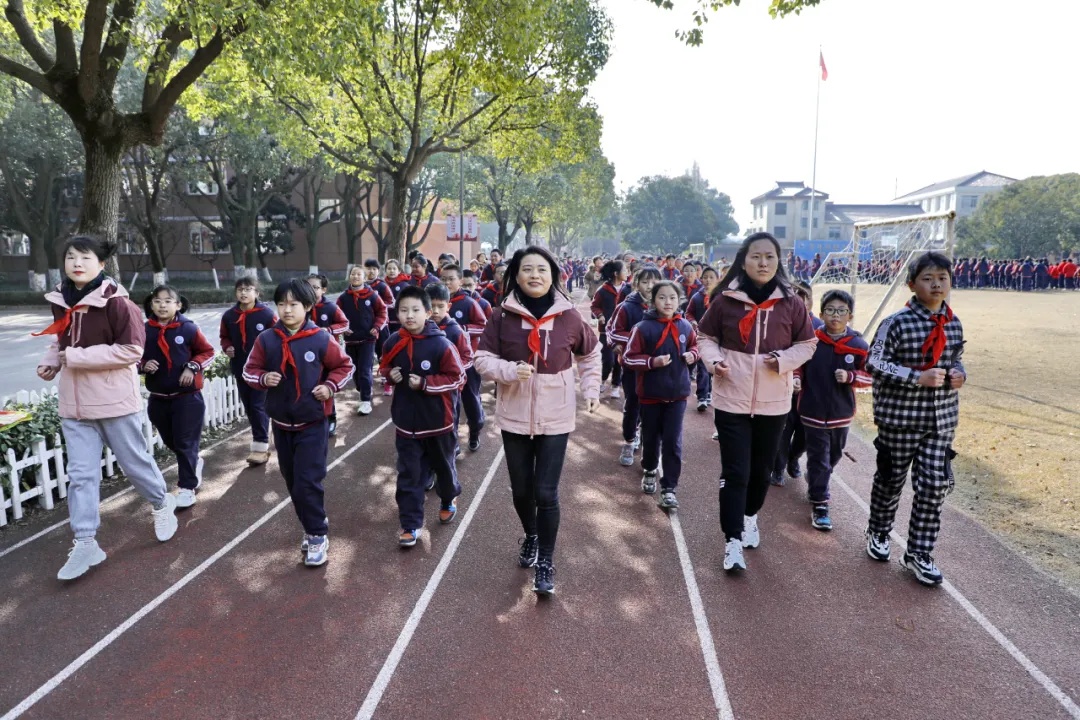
873,266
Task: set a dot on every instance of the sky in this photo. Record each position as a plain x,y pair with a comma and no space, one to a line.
918,91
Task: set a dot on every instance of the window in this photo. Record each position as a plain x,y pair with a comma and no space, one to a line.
806,205
130,242
781,208
204,241
329,209
834,233
815,222
816,205
802,223
969,202
201,188
780,232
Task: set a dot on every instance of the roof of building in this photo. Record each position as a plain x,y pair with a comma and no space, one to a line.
789,189
979,179
853,213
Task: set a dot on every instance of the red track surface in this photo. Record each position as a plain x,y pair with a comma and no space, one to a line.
813,628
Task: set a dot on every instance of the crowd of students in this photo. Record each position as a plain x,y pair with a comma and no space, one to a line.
1021,274
659,334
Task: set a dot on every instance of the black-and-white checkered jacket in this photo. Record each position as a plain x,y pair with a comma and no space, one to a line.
899,401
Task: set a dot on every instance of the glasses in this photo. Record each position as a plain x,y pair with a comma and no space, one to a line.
836,312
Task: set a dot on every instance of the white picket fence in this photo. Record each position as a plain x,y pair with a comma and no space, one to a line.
46,460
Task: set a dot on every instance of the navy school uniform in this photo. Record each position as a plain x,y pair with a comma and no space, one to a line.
468,314
604,301
456,334
826,407
239,328
627,315
424,418
695,310
380,286
366,312
484,304
793,439
177,411
306,359
662,391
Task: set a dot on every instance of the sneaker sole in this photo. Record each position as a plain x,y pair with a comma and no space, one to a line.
93,563
319,563
543,593
929,582
526,564
874,556
626,463
448,520
734,568
184,505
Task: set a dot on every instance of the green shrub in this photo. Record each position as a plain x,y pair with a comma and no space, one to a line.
44,422
219,368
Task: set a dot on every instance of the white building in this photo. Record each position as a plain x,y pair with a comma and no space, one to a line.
962,194
785,212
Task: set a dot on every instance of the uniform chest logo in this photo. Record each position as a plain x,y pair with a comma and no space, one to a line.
366,302
682,339
309,356
849,358
323,316
425,365
179,340
260,327
459,315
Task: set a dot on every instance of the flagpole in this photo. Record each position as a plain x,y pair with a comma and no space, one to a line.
813,175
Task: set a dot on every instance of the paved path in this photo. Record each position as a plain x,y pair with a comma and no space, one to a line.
224,621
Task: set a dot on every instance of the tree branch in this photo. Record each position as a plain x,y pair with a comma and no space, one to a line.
31,77
164,53
117,42
16,15
195,67
93,29
66,54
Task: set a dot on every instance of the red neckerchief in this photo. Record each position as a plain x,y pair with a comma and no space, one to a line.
747,322
935,342
59,327
407,346
610,288
398,279
534,334
360,294
162,343
840,347
286,353
243,323
669,330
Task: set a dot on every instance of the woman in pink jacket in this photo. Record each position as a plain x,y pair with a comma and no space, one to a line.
753,336
527,348
99,339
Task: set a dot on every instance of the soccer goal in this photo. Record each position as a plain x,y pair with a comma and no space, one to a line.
873,266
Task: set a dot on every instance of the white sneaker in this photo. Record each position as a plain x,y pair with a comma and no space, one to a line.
165,519
616,393
185,498
751,536
733,556
83,555
365,408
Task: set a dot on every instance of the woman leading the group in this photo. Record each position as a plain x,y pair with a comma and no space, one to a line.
527,348
755,333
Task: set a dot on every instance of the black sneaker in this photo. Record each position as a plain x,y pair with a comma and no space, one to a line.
544,580
702,405
667,500
922,564
648,482
776,479
877,545
530,546
793,470
333,428
430,483
474,442
819,517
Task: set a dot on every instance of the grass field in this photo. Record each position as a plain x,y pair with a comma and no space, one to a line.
1018,469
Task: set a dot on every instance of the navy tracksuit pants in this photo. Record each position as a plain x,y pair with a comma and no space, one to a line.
302,459
363,356
417,458
609,364
179,421
254,402
631,409
824,448
470,401
704,382
792,440
661,439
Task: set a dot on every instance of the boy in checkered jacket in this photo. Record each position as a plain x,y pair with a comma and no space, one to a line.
915,364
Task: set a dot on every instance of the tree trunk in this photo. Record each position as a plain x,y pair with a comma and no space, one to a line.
160,278
399,204
100,211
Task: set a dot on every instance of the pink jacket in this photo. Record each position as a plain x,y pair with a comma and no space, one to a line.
784,331
545,404
101,347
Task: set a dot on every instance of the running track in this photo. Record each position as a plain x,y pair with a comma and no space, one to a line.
224,622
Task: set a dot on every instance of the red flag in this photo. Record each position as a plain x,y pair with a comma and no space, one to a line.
824,71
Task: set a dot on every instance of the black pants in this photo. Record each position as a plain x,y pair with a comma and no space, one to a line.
417,459
703,382
609,365
535,465
747,450
661,440
254,402
363,357
631,407
302,459
824,449
792,440
471,403
179,421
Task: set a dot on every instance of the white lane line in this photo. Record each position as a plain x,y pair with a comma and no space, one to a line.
145,610
701,620
1032,669
111,498
386,674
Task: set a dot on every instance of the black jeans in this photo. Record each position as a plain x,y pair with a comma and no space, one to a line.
792,440
748,446
535,465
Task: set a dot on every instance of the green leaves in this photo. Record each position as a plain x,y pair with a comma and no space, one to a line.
700,13
1037,216
666,215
